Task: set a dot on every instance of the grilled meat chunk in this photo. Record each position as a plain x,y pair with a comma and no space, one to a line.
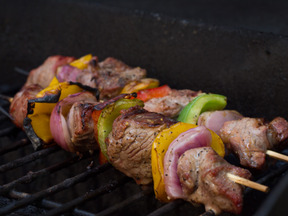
71,123
18,107
114,75
130,141
172,104
278,132
249,138
86,76
203,176
81,126
109,76
45,72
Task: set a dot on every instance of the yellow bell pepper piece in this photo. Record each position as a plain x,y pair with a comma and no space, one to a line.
40,119
41,126
136,86
159,148
65,88
54,81
82,62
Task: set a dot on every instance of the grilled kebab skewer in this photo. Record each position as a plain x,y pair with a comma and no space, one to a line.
169,105
129,150
109,76
249,138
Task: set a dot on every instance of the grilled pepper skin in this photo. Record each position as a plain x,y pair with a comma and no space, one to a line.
202,103
160,147
39,111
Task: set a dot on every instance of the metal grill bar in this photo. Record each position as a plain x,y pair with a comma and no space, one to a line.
28,158
112,185
13,146
4,112
166,208
54,189
121,205
33,175
272,174
49,204
21,71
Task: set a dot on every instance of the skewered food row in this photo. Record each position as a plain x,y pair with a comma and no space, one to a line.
248,138
110,76
129,149
75,128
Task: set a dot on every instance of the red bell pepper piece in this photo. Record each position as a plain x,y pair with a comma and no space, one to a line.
158,92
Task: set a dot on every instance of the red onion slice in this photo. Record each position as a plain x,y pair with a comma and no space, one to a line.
193,138
58,123
214,120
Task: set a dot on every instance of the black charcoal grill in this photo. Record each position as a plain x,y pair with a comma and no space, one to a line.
232,48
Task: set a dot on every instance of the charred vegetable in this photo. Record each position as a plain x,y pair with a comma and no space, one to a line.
40,109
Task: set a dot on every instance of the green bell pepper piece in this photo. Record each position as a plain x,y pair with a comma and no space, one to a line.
107,117
200,104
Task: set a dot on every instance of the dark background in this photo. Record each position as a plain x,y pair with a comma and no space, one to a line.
236,48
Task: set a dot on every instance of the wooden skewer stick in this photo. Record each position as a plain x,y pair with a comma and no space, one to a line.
277,155
247,183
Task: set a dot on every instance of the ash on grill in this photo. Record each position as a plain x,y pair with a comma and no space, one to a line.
52,181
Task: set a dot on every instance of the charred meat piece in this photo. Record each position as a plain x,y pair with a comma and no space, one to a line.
18,107
172,104
130,141
203,176
249,138
114,75
45,72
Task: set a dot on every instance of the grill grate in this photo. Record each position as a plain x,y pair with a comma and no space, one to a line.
110,190
20,200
